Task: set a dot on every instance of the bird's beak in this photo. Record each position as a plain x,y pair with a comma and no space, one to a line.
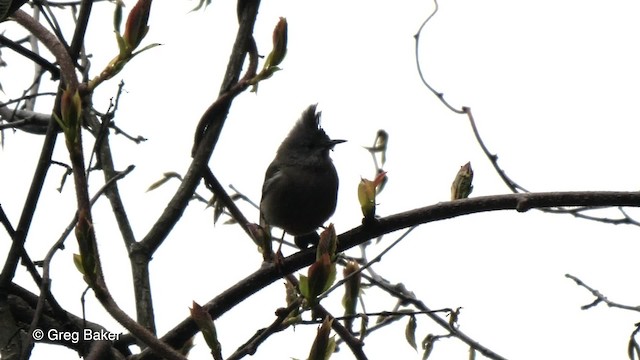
333,143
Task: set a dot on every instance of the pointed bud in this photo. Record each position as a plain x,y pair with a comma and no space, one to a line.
351,292
89,258
367,195
276,55
461,187
70,112
136,28
328,243
323,346
279,44
320,277
204,321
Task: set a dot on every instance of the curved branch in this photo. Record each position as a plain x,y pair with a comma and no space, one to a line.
445,210
512,185
438,94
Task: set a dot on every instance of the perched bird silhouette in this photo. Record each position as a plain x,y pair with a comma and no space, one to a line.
300,187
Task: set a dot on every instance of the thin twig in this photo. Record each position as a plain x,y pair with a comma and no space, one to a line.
599,297
45,284
409,298
37,59
439,95
250,347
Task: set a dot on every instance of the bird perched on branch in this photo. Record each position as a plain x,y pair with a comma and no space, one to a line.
300,187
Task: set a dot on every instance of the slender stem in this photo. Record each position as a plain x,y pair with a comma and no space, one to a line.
214,117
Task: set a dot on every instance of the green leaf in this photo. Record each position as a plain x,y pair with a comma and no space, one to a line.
208,329
323,345
122,45
410,332
304,286
150,46
202,5
117,16
166,177
77,261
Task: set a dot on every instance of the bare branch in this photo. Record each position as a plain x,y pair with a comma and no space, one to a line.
599,297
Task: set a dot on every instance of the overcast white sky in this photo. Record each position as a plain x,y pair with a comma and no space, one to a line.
553,87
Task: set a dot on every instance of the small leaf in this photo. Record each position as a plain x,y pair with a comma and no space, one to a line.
323,346
202,5
166,177
320,277
208,329
410,332
427,345
367,195
304,286
150,46
122,46
117,16
157,184
380,145
351,291
77,261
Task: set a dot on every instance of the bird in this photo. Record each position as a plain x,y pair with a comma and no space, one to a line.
300,188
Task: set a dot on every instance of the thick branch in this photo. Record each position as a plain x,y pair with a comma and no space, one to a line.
215,116
445,210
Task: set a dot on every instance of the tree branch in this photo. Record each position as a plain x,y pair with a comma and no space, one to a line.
444,210
599,297
53,44
215,115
